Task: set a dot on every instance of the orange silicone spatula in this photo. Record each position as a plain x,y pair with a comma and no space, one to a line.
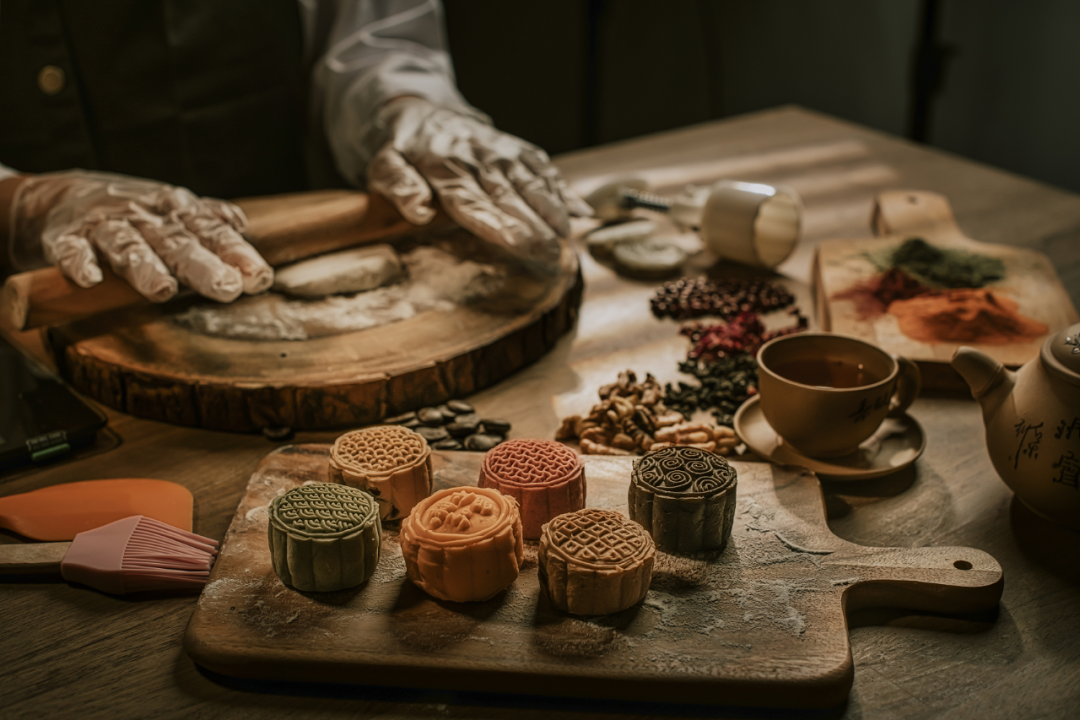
61,512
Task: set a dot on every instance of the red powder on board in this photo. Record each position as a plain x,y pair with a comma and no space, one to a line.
874,296
973,316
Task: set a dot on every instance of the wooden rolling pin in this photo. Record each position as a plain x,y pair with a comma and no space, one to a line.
283,228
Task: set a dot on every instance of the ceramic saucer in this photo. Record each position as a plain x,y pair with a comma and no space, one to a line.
895,445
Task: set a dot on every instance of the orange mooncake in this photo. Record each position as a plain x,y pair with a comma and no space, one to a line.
391,462
463,544
545,477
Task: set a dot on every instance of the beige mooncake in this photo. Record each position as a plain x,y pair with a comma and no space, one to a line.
685,498
463,544
595,562
324,537
545,477
391,462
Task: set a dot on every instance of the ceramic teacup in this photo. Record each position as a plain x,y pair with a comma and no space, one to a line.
751,223
825,394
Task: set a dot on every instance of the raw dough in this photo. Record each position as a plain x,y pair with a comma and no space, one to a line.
324,537
545,477
595,562
605,238
348,271
463,544
649,258
685,498
391,462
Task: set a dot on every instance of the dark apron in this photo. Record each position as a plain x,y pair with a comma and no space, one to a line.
207,94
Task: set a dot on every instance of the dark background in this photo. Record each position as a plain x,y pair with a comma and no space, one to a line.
998,78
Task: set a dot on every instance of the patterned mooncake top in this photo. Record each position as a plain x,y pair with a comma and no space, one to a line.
682,470
455,517
531,462
323,510
598,539
461,513
379,450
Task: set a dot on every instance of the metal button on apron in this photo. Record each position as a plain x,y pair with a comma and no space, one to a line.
51,79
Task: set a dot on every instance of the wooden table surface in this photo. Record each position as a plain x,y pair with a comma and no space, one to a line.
72,652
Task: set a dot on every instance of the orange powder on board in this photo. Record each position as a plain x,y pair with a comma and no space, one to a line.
974,316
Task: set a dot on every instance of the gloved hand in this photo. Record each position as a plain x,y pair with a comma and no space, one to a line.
150,233
499,187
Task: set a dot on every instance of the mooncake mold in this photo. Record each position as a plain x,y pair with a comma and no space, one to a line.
463,544
324,537
595,562
685,498
391,462
545,477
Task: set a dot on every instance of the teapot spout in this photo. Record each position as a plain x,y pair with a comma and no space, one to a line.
983,374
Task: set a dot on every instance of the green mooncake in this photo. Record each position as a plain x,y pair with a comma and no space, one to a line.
324,537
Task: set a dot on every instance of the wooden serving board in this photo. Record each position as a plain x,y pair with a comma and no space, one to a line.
841,265
762,623
140,361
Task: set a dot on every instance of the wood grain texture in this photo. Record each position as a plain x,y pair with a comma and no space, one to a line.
72,652
761,623
843,265
143,362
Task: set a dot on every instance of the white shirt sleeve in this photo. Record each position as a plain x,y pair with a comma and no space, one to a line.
365,53
6,172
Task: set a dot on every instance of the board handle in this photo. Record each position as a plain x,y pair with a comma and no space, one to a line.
934,579
909,212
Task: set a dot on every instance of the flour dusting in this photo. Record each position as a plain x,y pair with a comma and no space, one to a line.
436,280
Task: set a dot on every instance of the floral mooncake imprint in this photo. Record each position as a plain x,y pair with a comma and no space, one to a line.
463,544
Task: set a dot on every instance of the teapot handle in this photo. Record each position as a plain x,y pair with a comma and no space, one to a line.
908,385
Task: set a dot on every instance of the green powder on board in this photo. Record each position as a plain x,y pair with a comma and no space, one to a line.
939,267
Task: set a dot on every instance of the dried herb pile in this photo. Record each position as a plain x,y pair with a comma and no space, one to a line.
723,385
721,355
688,298
941,268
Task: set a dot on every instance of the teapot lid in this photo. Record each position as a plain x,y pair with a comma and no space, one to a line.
1061,354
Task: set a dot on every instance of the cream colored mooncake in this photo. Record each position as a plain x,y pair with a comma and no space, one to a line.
595,562
391,462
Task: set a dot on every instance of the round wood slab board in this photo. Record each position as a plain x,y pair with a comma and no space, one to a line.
140,361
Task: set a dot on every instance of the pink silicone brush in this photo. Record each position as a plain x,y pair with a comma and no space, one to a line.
130,555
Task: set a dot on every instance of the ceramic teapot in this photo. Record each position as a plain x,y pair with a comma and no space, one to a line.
1032,421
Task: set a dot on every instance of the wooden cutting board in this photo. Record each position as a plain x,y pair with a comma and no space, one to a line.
760,624
842,265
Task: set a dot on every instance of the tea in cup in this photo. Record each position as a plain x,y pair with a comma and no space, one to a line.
825,394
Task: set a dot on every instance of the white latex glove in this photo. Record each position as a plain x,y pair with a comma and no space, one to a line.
150,233
499,187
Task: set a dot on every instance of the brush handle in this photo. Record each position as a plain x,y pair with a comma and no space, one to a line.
32,558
